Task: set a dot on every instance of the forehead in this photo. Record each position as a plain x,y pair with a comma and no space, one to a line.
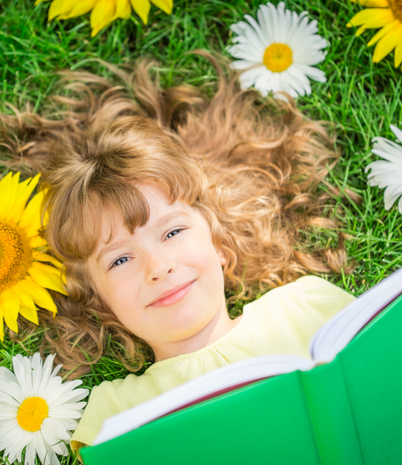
160,206
157,197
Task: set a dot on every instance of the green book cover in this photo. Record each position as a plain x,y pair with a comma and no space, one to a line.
348,411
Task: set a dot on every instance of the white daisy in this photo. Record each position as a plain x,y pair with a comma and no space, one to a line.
388,173
281,49
37,411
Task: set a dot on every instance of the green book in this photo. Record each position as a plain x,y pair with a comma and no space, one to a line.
342,407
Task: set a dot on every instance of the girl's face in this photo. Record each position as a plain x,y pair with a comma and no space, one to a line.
165,282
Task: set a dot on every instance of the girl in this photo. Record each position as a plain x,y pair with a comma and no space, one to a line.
159,201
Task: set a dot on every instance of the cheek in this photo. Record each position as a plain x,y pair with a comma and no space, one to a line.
204,257
117,292
209,263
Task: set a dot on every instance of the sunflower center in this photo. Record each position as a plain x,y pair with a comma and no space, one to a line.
396,8
31,413
278,57
15,255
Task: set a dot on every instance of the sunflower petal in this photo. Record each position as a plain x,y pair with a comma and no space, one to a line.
21,187
164,5
81,7
31,217
373,3
141,7
8,193
43,257
4,193
46,276
123,9
37,241
398,55
26,299
11,302
40,295
102,15
383,32
359,30
1,322
48,269
11,322
11,307
372,18
25,190
387,44
59,7
31,314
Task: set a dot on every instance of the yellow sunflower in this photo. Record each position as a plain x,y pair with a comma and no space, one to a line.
23,275
385,14
104,11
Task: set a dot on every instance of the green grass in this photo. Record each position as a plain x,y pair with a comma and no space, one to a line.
360,98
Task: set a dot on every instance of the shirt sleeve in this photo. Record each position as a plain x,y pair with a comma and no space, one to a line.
324,298
286,318
103,403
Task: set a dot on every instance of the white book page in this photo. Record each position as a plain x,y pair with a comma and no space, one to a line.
343,327
222,378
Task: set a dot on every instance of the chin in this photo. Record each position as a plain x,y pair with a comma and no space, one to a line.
182,328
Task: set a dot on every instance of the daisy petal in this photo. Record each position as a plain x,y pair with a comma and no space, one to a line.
285,47
32,377
387,173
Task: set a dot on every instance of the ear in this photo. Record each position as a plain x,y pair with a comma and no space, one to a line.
222,259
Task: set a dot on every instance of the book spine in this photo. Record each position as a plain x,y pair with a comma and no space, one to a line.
331,415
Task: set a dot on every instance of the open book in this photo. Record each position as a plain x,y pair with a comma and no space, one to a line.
334,336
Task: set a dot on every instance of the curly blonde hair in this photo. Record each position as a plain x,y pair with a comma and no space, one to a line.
250,166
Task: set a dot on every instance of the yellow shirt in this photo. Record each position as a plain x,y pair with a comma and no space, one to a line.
282,321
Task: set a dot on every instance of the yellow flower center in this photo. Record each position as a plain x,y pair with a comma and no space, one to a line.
278,57
15,255
31,413
396,8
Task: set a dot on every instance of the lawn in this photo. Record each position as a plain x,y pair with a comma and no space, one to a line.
362,99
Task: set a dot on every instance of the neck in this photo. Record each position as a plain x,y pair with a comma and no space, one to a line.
220,325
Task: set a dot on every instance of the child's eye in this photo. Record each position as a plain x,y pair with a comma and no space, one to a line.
119,262
173,233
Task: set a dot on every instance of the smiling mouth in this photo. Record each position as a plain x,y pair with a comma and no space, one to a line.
173,298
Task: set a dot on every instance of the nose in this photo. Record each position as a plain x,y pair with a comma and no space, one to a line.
159,266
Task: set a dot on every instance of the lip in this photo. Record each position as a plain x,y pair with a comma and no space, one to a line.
173,295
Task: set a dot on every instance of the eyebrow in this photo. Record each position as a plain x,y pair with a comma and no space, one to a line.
162,221
109,248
